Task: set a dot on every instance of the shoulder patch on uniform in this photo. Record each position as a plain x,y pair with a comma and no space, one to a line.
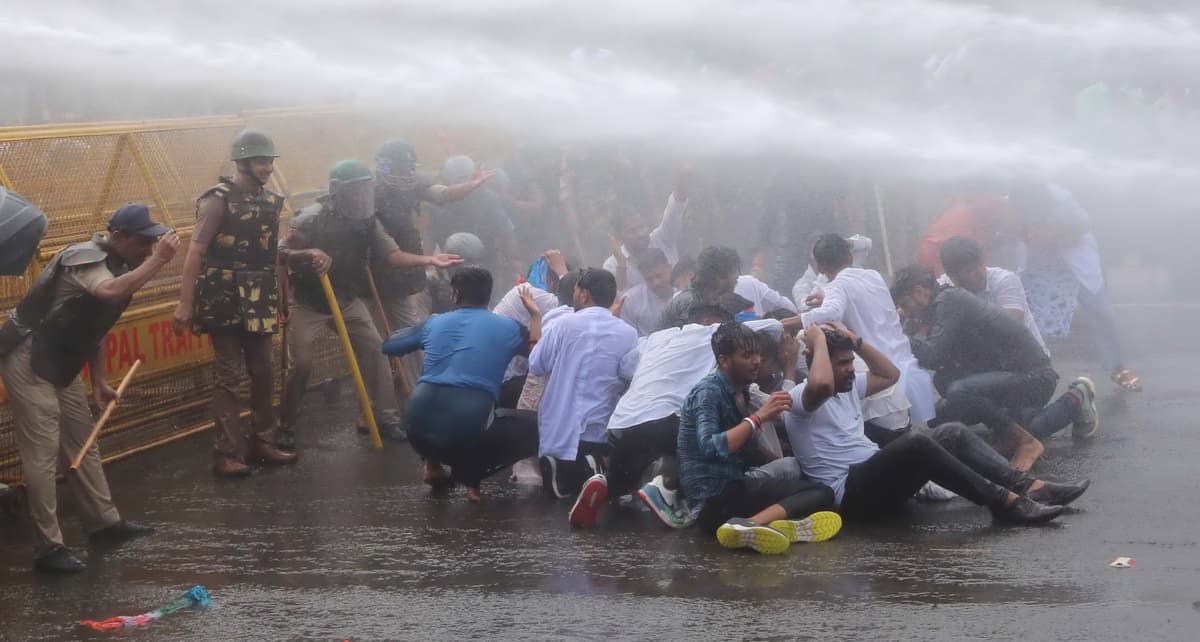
83,254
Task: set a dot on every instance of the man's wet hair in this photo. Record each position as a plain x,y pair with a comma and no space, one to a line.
834,341
566,287
832,251
908,279
473,284
959,253
779,314
732,337
686,264
701,312
601,284
715,262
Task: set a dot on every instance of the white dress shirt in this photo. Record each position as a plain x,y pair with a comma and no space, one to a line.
581,353
643,309
665,366
664,237
765,299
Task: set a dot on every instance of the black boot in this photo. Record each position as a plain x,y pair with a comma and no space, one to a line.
1025,511
1053,494
287,440
120,532
59,561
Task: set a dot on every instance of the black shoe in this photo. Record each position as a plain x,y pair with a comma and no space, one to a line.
1025,511
1053,494
393,432
60,561
287,440
120,532
554,477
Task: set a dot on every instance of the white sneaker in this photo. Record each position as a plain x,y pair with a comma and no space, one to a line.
931,492
525,472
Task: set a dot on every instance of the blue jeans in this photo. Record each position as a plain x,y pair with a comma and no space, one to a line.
1001,399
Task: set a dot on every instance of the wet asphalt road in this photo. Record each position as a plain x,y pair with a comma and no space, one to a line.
348,544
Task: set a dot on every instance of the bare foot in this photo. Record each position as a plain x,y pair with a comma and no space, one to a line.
473,495
1028,452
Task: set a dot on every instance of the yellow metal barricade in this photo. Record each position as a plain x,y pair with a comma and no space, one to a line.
79,174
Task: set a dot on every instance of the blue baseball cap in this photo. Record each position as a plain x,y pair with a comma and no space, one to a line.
134,218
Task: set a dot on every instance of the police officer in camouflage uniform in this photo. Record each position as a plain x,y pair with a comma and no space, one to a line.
229,291
56,329
340,235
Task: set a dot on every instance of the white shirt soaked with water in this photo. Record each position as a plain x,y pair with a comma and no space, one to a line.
664,237
860,299
665,366
581,353
1004,290
830,439
765,299
511,307
643,309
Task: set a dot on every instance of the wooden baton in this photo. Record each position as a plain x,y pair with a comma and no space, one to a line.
112,405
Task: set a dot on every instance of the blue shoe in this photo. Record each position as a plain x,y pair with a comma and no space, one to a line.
655,499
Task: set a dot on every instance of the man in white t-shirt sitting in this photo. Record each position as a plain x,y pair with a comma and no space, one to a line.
962,259
825,427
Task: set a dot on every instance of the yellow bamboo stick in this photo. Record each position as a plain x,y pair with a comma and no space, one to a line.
363,399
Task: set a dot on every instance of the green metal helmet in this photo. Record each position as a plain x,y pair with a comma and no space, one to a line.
251,143
347,172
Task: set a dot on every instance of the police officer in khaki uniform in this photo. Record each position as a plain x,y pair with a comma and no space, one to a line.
229,292
55,330
340,235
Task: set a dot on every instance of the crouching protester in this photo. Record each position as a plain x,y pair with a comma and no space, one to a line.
451,415
57,329
825,427
745,499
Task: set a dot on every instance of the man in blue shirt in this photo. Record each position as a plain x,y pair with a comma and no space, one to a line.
763,507
451,414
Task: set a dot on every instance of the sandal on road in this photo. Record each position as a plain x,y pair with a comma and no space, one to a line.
1125,378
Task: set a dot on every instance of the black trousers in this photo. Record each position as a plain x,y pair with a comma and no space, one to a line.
1000,399
510,392
572,473
950,455
636,447
513,436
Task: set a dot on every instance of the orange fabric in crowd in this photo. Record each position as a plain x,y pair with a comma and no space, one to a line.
970,217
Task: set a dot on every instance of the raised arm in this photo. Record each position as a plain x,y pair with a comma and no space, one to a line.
123,287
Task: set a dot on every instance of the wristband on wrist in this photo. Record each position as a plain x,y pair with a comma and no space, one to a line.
754,422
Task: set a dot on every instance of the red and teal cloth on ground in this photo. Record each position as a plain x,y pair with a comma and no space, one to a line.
196,597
